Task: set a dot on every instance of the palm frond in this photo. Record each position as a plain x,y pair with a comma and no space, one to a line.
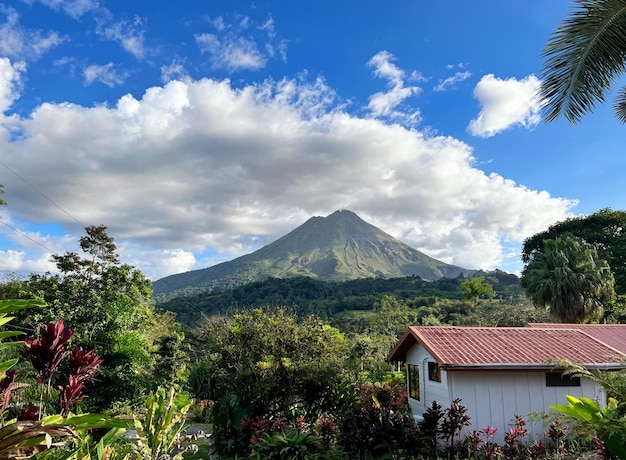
585,55
619,107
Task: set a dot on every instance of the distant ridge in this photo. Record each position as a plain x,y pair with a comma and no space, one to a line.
338,247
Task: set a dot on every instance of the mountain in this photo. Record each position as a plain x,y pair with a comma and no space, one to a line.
338,247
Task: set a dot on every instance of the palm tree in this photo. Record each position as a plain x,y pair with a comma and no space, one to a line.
584,56
569,279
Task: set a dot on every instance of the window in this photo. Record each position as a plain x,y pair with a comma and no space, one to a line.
434,373
414,381
557,379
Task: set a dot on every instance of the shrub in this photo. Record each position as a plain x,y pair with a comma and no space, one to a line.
378,425
290,445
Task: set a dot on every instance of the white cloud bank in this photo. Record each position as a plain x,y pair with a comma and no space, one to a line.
505,103
200,169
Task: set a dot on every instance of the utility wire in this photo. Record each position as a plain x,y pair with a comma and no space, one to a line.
42,194
28,237
123,259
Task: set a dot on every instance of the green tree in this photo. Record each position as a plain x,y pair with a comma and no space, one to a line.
569,279
584,57
605,229
109,306
271,362
475,288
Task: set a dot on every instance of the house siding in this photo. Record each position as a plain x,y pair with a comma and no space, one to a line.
429,391
494,398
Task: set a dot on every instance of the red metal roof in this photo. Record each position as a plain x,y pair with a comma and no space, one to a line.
505,347
613,335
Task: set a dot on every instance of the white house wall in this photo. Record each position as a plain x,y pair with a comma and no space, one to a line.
494,398
429,391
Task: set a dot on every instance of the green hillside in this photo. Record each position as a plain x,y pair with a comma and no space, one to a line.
329,299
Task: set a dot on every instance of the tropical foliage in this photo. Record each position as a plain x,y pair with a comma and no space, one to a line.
159,433
33,431
270,361
569,279
605,229
108,306
608,422
584,57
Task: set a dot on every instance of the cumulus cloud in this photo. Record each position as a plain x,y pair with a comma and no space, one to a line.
166,262
385,104
10,82
21,43
505,103
199,166
448,83
106,74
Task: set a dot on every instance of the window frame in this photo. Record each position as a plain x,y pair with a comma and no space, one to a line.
434,371
413,377
557,379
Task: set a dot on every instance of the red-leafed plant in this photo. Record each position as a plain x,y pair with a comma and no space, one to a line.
31,413
47,351
84,364
6,385
70,394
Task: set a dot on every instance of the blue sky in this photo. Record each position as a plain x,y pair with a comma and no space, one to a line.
201,131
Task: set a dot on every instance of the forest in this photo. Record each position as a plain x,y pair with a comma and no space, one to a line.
283,368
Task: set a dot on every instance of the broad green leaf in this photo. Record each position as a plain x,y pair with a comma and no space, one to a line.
6,365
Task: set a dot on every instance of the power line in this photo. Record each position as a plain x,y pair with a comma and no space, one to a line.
123,259
42,194
28,237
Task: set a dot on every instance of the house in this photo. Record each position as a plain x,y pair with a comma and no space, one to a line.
499,372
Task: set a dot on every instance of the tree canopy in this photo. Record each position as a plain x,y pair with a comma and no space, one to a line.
270,361
475,288
109,306
569,279
605,229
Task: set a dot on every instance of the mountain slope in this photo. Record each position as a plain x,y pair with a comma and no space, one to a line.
338,247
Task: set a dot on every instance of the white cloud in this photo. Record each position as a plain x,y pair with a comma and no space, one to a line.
174,71
106,74
128,34
200,166
241,45
230,53
505,103
10,87
447,83
20,43
169,262
19,261
73,8
219,23
385,104
10,82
